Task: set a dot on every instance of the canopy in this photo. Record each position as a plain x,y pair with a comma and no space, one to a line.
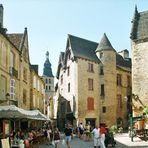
11,111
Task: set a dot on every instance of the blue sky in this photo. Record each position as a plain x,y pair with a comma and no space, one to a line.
50,21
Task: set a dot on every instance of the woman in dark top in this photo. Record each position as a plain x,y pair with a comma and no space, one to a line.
68,133
56,137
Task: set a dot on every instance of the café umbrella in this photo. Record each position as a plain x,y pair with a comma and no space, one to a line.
11,111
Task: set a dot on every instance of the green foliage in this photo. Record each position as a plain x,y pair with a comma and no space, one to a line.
113,129
145,110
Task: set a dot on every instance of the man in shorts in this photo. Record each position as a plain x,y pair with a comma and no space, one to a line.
68,133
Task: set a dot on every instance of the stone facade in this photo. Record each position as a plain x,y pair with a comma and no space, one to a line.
16,77
87,87
139,36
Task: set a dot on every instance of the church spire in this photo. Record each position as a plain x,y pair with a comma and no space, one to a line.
47,71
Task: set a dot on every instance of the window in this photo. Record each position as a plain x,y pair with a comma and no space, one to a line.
119,80
128,81
38,85
101,70
24,96
49,81
34,81
12,89
3,84
46,80
12,59
104,109
101,55
90,84
4,55
90,103
49,87
46,87
119,99
25,74
90,67
34,102
68,87
61,79
68,71
102,90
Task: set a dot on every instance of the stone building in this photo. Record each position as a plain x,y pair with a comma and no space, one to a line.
139,40
93,80
16,74
37,90
49,87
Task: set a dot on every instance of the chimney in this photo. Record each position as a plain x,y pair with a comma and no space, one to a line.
124,53
1,15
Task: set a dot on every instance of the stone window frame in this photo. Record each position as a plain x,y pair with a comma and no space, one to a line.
90,84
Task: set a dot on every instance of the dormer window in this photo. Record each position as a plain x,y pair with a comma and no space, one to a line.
101,55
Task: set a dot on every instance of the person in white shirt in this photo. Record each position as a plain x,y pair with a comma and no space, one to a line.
96,136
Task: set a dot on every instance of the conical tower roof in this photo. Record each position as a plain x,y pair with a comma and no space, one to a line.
47,71
104,44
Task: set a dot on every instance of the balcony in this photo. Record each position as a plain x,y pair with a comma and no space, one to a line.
13,72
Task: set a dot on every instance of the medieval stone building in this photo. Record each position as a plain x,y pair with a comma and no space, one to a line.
16,77
139,39
93,81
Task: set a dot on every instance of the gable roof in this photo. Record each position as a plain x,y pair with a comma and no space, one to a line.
16,39
140,25
83,48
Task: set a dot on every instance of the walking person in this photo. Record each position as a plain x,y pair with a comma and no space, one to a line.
81,130
56,137
102,135
96,136
49,134
68,133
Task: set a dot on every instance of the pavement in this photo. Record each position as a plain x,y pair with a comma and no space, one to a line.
122,141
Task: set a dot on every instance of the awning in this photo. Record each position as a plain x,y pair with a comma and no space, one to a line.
11,111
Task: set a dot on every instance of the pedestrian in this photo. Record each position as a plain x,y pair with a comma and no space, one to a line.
81,130
68,133
102,135
96,136
56,137
49,134
87,131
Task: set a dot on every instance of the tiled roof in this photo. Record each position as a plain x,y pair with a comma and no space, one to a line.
16,39
104,44
120,61
140,25
83,48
